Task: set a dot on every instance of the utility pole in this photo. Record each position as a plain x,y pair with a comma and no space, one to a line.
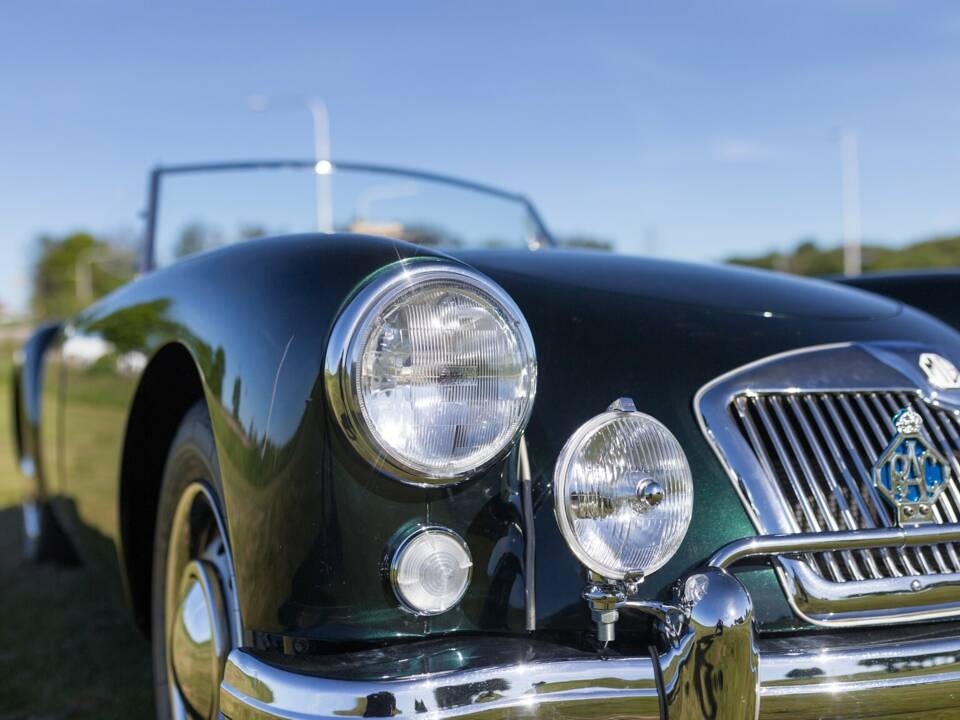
323,168
850,194
321,152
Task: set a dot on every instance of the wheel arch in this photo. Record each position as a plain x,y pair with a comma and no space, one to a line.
170,385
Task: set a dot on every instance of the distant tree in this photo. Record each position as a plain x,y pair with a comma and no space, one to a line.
235,398
196,237
581,241
252,232
73,271
430,235
190,240
808,258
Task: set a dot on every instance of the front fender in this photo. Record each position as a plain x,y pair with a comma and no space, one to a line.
310,523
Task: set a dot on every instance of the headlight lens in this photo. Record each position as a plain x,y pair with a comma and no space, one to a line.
623,494
431,570
432,372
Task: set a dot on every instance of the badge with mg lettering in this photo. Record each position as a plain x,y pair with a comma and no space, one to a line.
911,473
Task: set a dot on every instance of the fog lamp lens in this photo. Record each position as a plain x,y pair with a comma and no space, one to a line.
431,570
623,494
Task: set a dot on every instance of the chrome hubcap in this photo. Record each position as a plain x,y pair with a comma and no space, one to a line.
198,648
201,621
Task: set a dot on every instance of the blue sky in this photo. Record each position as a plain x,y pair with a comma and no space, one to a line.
707,127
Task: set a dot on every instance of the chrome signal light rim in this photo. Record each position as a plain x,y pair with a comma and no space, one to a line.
399,553
342,364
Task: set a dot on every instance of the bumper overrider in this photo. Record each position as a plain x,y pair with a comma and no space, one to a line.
712,663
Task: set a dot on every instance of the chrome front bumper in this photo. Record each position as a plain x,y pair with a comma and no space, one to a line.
714,666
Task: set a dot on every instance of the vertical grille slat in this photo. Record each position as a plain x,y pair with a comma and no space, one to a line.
819,449
754,436
865,518
883,518
811,481
949,420
842,507
813,523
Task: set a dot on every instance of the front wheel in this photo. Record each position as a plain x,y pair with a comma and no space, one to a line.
194,611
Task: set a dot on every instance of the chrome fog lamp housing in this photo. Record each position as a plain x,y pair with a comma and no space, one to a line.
623,493
430,571
431,372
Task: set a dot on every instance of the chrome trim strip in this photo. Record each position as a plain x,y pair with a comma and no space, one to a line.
584,688
770,545
929,596
861,597
797,680
908,679
529,535
712,666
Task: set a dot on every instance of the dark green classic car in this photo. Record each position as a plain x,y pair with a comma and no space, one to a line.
417,461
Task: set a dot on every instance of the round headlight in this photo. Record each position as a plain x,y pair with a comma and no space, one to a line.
431,570
623,494
431,372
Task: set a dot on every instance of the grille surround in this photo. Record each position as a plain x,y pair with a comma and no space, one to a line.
802,461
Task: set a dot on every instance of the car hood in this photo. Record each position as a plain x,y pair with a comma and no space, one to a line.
721,288
607,327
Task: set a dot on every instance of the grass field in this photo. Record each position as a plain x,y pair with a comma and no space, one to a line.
68,648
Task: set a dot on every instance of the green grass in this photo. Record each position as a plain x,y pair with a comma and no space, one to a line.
68,647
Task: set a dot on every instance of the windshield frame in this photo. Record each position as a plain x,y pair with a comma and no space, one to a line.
147,259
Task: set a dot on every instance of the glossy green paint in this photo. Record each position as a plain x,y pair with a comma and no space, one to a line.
312,524
656,331
935,291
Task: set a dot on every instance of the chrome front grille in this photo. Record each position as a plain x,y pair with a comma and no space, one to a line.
798,434
819,449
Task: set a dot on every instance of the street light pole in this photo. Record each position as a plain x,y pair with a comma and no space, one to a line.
850,181
321,154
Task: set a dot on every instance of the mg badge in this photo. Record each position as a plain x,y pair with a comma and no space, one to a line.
940,372
910,473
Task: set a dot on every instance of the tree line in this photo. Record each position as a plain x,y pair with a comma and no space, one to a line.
809,258
73,270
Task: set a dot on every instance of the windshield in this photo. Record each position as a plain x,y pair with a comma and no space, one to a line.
198,208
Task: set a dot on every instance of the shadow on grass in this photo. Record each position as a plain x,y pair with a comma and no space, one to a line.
68,646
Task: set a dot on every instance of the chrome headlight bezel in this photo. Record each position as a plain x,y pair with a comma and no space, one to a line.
343,363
